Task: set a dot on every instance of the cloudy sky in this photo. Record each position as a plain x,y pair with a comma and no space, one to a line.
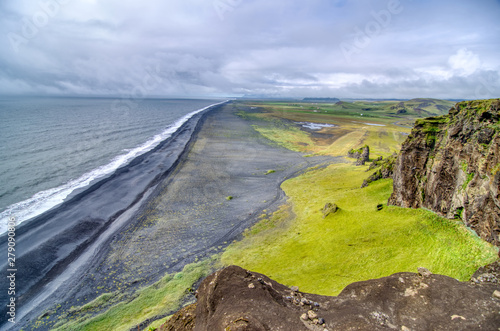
275,48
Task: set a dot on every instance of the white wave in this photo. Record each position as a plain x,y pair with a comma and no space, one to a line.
45,200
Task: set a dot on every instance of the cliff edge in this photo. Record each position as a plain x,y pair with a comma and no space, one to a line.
450,164
237,299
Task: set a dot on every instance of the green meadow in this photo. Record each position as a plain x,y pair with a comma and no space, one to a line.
358,242
298,247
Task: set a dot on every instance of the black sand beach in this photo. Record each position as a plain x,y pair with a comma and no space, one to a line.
166,209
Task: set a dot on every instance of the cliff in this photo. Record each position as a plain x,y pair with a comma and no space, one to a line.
450,164
237,299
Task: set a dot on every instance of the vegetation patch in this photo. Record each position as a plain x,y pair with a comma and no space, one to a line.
153,301
474,107
432,127
271,223
363,240
495,169
351,137
468,180
355,124
289,137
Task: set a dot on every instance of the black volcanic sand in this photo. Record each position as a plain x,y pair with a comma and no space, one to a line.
185,215
47,244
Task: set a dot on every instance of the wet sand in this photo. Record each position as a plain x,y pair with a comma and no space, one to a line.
115,236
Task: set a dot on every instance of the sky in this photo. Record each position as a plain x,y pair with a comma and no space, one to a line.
261,48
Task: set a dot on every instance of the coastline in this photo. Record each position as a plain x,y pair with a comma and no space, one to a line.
53,196
48,243
225,157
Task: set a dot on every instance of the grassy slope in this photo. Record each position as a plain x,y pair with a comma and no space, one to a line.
358,242
158,299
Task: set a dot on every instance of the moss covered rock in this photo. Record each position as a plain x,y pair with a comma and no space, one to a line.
450,164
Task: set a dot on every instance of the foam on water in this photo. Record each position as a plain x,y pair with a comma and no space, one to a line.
45,200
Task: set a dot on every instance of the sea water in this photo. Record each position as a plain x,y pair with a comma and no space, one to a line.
50,147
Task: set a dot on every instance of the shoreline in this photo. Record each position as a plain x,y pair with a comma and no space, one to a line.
94,176
48,243
225,157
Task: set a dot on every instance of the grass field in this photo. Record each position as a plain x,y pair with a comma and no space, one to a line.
323,255
382,133
416,108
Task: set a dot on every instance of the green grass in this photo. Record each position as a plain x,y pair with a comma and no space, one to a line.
468,180
356,243
478,106
416,108
351,130
289,137
383,141
158,299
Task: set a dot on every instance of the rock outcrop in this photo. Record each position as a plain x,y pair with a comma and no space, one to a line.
329,208
237,299
386,169
451,165
362,155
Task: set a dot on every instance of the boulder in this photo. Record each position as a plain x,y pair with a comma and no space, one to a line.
329,208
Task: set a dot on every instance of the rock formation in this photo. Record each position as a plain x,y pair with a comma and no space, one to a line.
386,169
362,155
329,208
450,164
237,299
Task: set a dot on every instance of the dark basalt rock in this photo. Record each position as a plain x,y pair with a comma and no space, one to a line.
362,155
451,165
237,299
385,171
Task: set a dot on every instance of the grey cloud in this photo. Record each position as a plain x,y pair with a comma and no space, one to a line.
279,48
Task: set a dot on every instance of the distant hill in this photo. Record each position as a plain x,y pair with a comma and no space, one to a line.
422,107
329,100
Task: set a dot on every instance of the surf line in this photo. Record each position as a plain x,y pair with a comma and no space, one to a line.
46,200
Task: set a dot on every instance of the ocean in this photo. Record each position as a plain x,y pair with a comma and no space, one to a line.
52,147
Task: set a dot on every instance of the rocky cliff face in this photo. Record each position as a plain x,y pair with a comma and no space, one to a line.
237,299
451,165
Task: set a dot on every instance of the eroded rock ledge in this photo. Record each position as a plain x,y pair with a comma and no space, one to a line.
237,299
